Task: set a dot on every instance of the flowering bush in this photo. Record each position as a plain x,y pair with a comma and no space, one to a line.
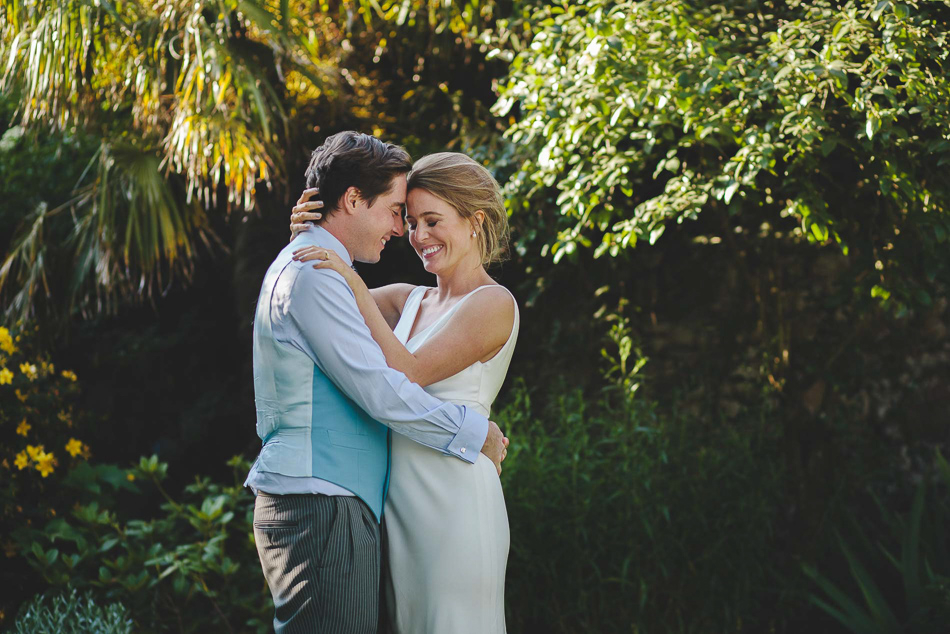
40,438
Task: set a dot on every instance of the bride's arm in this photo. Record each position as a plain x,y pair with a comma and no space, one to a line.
477,331
474,333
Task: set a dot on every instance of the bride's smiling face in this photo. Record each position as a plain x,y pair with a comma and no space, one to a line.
439,235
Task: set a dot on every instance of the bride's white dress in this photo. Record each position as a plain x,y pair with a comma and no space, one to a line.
445,520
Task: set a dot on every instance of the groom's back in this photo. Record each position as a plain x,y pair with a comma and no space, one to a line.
283,375
308,427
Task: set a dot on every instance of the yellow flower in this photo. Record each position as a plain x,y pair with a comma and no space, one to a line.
44,463
21,461
46,368
64,416
69,374
29,370
130,477
6,377
23,427
6,342
20,395
74,447
34,451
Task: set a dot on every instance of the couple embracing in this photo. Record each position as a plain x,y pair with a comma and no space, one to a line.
373,404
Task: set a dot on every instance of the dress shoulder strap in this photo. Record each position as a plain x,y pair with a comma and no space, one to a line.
409,311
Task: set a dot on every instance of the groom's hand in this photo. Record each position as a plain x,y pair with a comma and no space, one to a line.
496,445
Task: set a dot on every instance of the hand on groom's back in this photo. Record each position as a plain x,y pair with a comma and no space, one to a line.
496,445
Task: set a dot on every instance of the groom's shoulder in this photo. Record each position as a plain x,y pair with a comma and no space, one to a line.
294,279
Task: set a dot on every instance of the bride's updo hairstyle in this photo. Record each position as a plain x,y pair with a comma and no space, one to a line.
468,187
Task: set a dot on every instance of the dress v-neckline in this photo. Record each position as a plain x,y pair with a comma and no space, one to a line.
418,307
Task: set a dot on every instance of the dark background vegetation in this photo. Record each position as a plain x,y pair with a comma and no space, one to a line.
728,404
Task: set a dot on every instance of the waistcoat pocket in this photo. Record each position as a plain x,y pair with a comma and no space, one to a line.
352,441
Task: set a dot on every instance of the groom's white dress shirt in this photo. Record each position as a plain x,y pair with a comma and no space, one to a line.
326,325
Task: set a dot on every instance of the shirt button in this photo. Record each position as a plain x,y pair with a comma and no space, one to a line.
462,450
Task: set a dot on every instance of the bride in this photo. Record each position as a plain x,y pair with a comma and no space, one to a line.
446,560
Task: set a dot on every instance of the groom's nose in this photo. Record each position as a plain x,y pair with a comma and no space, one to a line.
399,226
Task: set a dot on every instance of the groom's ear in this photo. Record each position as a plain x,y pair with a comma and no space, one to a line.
349,200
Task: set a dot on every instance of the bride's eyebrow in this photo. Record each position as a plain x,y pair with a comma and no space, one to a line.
409,216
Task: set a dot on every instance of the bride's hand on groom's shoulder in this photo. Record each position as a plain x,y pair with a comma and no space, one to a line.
496,445
326,259
303,212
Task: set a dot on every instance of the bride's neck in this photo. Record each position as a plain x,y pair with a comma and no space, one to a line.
463,280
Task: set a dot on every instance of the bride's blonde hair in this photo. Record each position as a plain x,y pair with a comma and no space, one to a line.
468,187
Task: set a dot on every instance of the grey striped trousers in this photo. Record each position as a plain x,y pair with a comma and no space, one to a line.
321,557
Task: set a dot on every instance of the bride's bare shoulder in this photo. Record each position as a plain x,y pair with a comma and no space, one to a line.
497,295
493,301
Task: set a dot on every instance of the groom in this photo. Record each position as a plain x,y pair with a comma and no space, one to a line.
326,400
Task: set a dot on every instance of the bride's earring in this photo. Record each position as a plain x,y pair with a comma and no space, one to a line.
473,234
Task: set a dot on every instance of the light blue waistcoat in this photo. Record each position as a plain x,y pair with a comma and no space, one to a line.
308,426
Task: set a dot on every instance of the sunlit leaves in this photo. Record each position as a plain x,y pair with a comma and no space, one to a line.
188,100
170,65
636,114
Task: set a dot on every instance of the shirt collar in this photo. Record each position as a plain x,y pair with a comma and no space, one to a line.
330,241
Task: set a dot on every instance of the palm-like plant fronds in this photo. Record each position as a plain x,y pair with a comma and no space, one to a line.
188,101
130,234
203,91
174,70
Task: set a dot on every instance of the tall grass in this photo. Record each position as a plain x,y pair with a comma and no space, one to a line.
626,519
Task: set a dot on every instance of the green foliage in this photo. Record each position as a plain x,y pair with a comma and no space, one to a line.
44,436
72,614
187,102
637,114
912,552
625,518
204,105
38,172
192,568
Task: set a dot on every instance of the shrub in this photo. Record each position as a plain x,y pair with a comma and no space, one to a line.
625,518
72,614
41,438
831,116
192,568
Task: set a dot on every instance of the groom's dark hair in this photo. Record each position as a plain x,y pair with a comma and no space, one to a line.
352,159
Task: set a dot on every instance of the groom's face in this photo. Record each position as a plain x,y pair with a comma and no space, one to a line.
381,221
